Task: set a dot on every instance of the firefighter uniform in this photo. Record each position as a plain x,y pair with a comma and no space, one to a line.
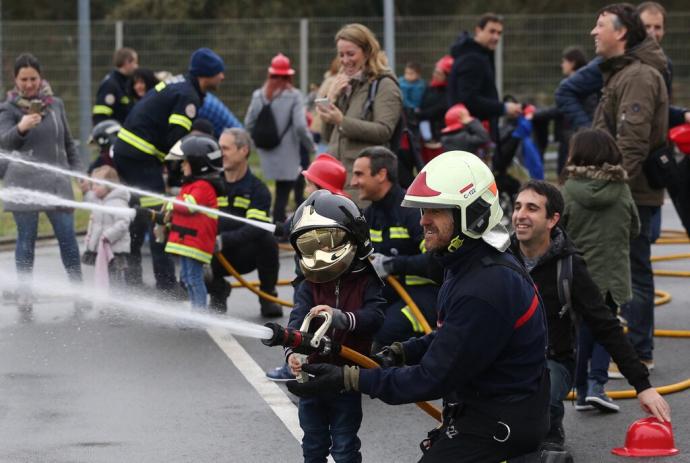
112,100
153,126
395,231
246,247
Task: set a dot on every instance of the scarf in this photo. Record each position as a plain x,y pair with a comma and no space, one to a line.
45,96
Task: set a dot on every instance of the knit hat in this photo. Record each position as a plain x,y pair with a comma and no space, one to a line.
205,63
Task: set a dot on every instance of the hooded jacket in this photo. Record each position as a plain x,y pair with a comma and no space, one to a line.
601,219
472,81
634,110
588,305
115,228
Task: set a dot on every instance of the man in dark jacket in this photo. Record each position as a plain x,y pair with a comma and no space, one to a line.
487,357
634,110
154,125
246,247
112,98
541,245
472,79
396,236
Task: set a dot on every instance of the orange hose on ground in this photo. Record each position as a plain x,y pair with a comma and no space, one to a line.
366,362
231,270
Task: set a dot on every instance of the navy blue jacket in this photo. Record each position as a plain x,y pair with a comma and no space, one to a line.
163,116
574,92
248,197
112,100
491,340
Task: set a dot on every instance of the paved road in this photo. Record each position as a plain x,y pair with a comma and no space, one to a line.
110,386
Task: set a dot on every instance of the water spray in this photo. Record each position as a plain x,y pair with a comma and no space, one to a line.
117,186
24,196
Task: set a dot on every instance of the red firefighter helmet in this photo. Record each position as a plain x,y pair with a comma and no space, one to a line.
280,66
445,64
328,173
680,135
648,437
453,122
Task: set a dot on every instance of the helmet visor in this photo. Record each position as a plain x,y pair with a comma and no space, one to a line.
328,240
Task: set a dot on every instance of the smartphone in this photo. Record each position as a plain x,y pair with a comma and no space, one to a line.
35,107
323,102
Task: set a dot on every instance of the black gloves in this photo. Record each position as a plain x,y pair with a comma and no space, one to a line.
390,356
328,379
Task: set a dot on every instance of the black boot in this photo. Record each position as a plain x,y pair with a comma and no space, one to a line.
270,309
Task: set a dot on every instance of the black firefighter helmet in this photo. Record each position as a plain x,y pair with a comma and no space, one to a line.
105,132
201,151
329,233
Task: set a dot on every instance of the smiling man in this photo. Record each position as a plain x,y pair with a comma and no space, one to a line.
634,110
544,249
486,358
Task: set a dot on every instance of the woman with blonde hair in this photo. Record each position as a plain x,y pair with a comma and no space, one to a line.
364,102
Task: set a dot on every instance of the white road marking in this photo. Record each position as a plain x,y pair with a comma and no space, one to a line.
274,396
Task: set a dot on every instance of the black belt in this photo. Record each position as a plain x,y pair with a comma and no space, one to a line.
183,231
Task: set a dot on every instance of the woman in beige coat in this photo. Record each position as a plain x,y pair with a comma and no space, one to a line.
349,124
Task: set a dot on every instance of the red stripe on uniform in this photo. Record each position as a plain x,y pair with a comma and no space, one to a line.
527,315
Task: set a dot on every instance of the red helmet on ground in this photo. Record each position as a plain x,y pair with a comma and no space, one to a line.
453,118
280,66
327,173
648,437
445,64
680,135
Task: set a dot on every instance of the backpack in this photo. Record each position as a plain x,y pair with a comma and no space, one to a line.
402,141
265,132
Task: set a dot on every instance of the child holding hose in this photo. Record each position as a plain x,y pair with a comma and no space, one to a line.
331,239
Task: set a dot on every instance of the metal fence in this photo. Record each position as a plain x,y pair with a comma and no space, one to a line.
530,57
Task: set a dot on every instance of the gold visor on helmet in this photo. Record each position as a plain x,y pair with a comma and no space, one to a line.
325,253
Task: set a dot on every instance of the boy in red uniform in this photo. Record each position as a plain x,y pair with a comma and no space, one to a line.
193,231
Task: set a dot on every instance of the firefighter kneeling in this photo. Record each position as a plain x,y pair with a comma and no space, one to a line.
487,358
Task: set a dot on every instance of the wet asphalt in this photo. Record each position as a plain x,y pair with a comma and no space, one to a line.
104,385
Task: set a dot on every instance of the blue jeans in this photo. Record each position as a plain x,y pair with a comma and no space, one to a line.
192,275
331,423
63,227
640,311
561,376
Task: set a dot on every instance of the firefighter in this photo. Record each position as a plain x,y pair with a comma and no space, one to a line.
396,235
246,247
487,357
153,126
112,98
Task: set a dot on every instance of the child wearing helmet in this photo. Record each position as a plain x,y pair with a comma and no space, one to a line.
192,231
103,135
463,132
331,239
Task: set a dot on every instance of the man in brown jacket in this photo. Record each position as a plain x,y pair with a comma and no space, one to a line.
634,109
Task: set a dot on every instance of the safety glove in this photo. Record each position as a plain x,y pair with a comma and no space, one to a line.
327,379
382,264
390,356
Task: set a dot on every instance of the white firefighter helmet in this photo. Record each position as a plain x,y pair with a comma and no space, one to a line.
460,180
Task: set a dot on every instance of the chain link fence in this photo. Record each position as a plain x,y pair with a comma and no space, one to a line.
530,58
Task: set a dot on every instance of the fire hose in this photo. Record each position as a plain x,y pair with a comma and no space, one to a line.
303,342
